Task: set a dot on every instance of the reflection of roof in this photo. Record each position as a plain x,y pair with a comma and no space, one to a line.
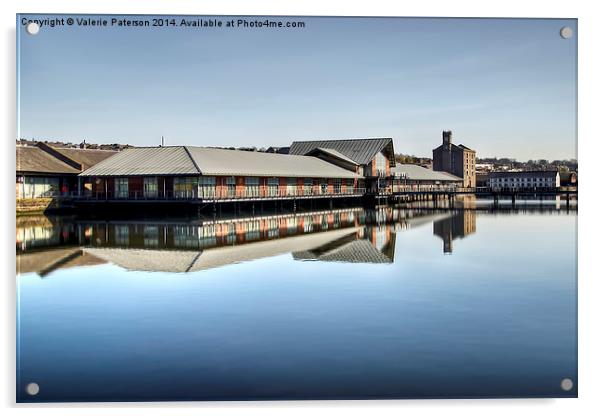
188,160
361,151
356,251
46,261
34,160
418,173
190,261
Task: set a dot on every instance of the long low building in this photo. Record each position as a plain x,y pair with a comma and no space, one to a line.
408,177
524,180
212,174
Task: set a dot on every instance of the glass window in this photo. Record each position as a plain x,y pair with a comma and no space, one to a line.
307,186
150,187
185,187
207,186
272,188
121,187
252,187
291,186
231,186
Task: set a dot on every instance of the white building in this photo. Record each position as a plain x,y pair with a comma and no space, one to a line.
524,180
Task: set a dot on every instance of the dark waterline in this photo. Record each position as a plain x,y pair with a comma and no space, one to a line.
344,303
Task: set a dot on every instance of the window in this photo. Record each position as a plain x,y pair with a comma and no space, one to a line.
337,186
323,186
291,186
307,186
231,187
252,187
121,187
207,186
272,189
150,187
185,187
122,235
381,164
34,187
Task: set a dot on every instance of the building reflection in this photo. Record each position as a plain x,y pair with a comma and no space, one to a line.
458,225
350,235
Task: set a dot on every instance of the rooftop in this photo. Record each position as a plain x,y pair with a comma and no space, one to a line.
190,160
415,172
31,159
361,151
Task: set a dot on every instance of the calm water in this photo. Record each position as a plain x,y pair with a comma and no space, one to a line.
334,304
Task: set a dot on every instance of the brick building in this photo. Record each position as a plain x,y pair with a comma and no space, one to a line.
458,160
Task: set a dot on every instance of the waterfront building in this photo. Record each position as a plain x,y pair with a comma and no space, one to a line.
215,175
407,177
568,178
528,180
44,171
370,158
458,160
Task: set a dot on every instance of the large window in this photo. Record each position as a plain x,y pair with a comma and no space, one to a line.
272,189
337,186
307,186
231,187
323,186
35,187
381,165
207,186
121,187
150,187
185,187
252,187
291,186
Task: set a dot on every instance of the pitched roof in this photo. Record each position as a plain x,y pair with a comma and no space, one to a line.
189,160
138,161
418,173
333,153
361,151
85,157
32,159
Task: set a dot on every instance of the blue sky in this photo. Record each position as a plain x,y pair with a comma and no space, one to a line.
506,87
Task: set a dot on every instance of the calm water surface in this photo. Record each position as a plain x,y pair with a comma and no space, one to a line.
345,303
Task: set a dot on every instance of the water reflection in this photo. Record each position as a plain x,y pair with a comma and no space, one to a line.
458,225
352,235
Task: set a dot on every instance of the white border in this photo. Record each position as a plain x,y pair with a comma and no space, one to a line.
590,276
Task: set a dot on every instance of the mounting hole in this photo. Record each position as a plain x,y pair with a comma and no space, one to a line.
566,384
32,389
566,32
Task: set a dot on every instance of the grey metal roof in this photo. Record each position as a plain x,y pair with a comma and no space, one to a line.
526,174
418,173
361,151
189,160
335,153
137,161
356,251
244,163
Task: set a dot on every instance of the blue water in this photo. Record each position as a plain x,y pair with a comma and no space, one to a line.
496,317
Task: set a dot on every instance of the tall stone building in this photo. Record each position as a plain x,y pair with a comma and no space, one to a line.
458,160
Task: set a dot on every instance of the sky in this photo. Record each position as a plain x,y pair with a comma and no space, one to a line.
505,87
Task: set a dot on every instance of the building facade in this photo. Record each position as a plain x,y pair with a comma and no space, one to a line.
370,158
414,178
215,175
44,171
531,180
458,160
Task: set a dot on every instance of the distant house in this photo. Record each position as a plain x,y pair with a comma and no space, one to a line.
524,180
370,158
43,171
458,160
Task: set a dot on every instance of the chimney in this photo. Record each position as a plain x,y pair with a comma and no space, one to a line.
82,145
447,137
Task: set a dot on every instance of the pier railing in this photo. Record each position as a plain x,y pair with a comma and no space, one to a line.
280,192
